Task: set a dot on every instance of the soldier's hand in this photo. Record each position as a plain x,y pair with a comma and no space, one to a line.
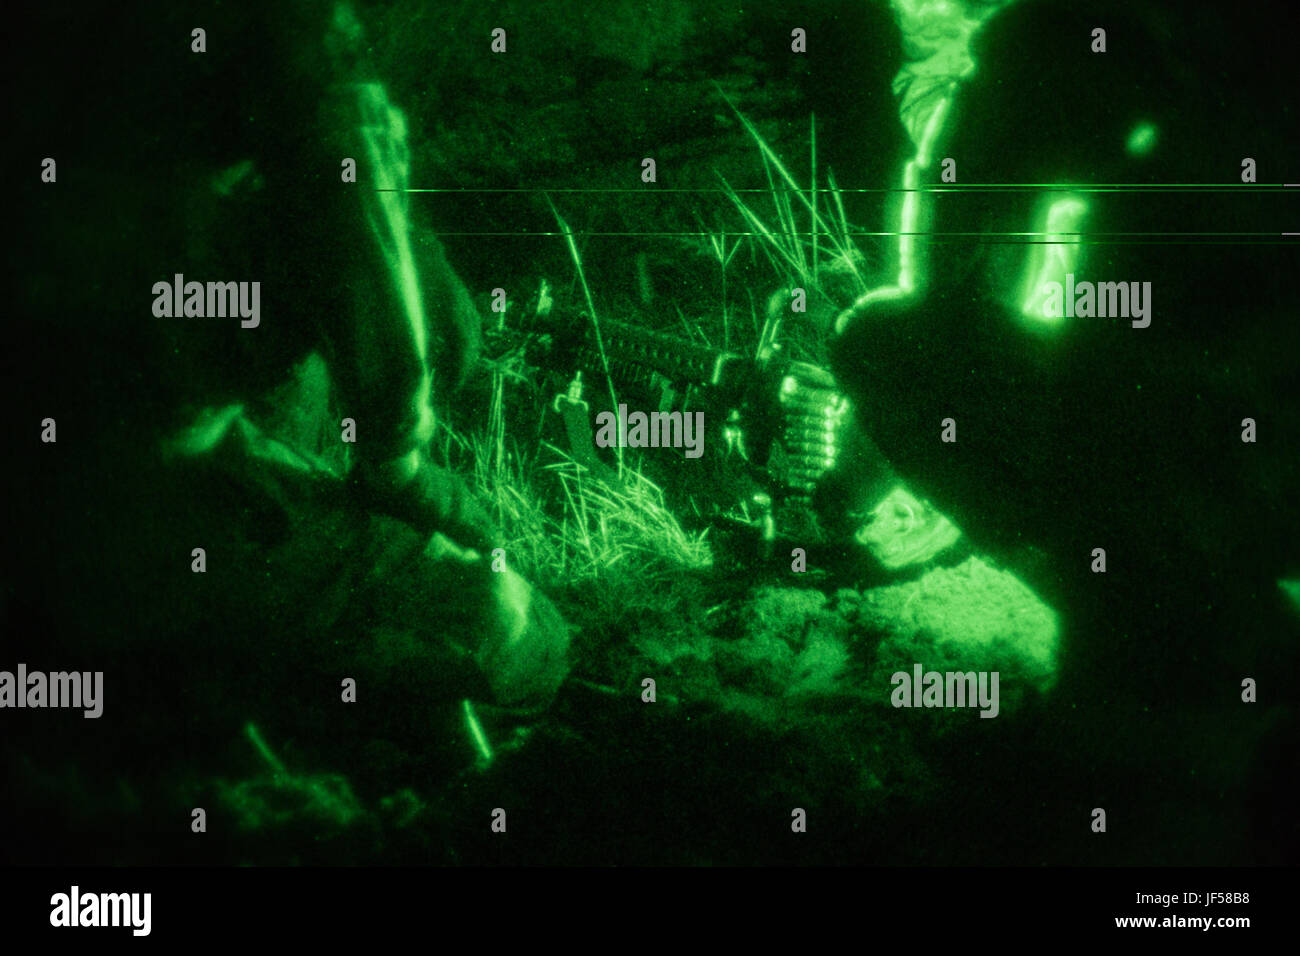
525,653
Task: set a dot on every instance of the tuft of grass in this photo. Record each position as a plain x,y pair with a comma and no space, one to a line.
561,524
722,252
623,528
804,237
591,311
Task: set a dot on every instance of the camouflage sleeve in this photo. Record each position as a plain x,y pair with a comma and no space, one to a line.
381,341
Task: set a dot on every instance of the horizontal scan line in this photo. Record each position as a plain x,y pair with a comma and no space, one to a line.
1249,238
969,187
1055,237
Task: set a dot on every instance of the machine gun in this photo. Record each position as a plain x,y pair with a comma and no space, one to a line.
780,438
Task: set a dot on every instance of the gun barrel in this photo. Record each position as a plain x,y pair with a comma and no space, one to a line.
631,345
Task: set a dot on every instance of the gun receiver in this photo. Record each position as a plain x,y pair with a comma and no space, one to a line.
781,423
795,463
635,354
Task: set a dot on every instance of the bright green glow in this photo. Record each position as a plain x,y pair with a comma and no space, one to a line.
384,138
476,732
902,530
205,432
974,615
932,127
907,264
937,37
385,141
909,217
1051,261
251,731
1142,140
1291,588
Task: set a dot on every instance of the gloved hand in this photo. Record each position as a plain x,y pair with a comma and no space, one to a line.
525,652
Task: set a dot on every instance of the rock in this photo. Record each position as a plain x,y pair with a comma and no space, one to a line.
969,617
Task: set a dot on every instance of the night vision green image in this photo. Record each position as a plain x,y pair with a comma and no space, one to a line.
652,432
